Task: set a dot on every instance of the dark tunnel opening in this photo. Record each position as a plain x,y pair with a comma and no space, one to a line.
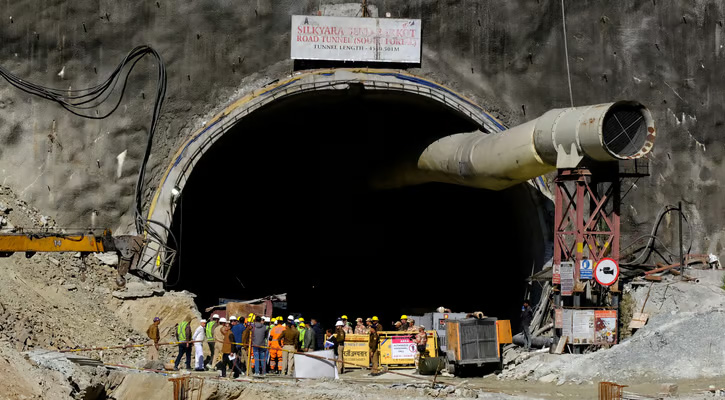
282,204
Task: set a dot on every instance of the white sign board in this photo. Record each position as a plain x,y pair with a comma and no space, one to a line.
566,318
356,39
567,278
583,326
402,348
606,272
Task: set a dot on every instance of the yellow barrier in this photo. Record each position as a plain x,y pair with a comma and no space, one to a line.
357,350
396,347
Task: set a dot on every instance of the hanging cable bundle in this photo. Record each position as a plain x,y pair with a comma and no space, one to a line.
80,101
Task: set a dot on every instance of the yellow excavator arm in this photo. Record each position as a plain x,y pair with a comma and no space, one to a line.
127,247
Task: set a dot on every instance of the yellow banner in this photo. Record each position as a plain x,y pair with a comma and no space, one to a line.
357,353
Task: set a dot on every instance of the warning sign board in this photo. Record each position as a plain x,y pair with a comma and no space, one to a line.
606,272
402,348
605,326
567,278
585,269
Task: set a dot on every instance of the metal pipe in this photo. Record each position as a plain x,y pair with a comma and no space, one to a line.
561,138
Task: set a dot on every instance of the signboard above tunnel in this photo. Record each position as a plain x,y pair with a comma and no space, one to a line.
356,39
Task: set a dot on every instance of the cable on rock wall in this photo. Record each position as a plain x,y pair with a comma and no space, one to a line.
80,101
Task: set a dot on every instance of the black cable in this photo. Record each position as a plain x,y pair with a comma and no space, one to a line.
653,237
79,100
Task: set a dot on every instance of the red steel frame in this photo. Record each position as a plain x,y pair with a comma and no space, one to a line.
584,218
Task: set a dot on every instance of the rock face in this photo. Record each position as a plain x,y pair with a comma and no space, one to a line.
509,57
139,313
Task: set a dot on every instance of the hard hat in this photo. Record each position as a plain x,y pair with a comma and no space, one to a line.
302,319
290,318
375,318
344,317
215,316
279,318
403,317
157,319
202,321
398,323
232,318
369,319
302,324
223,320
297,321
339,323
251,315
359,320
266,319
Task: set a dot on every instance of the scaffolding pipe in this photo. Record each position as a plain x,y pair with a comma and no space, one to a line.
561,138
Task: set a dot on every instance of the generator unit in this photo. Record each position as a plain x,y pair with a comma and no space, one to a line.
475,342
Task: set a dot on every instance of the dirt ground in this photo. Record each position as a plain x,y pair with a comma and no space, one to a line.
357,384
54,302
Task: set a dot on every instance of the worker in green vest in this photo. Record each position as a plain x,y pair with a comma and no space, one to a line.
183,335
210,326
303,329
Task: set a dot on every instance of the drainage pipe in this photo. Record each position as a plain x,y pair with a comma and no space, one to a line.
561,138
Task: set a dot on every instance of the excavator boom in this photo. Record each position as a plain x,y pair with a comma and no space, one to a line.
127,247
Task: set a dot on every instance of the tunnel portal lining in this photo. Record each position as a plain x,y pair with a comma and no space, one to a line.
176,175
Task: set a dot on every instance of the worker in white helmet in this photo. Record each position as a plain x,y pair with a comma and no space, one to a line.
289,340
339,341
216,358
198,338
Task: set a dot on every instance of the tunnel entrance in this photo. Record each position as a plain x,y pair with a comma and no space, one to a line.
283,203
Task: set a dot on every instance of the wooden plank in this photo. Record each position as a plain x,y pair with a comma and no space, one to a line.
638,320
560,346
662,268
653,278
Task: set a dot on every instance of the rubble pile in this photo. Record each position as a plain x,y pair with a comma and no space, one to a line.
680,340
57,301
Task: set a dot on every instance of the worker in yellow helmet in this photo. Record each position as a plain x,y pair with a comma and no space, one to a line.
376,323
275,346
347,327
403,323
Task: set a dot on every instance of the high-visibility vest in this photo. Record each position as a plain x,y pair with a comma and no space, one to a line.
275,334
302,336
210,330
181,331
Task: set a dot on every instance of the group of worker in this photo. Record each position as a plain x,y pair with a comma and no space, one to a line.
274,342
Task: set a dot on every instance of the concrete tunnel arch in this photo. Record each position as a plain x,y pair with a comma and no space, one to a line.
176,175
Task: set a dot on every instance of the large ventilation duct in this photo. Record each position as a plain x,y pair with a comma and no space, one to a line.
561,138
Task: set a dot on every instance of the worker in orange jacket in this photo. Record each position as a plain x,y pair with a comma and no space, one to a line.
275,348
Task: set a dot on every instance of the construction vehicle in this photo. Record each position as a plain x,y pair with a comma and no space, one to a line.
127,247
467,339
